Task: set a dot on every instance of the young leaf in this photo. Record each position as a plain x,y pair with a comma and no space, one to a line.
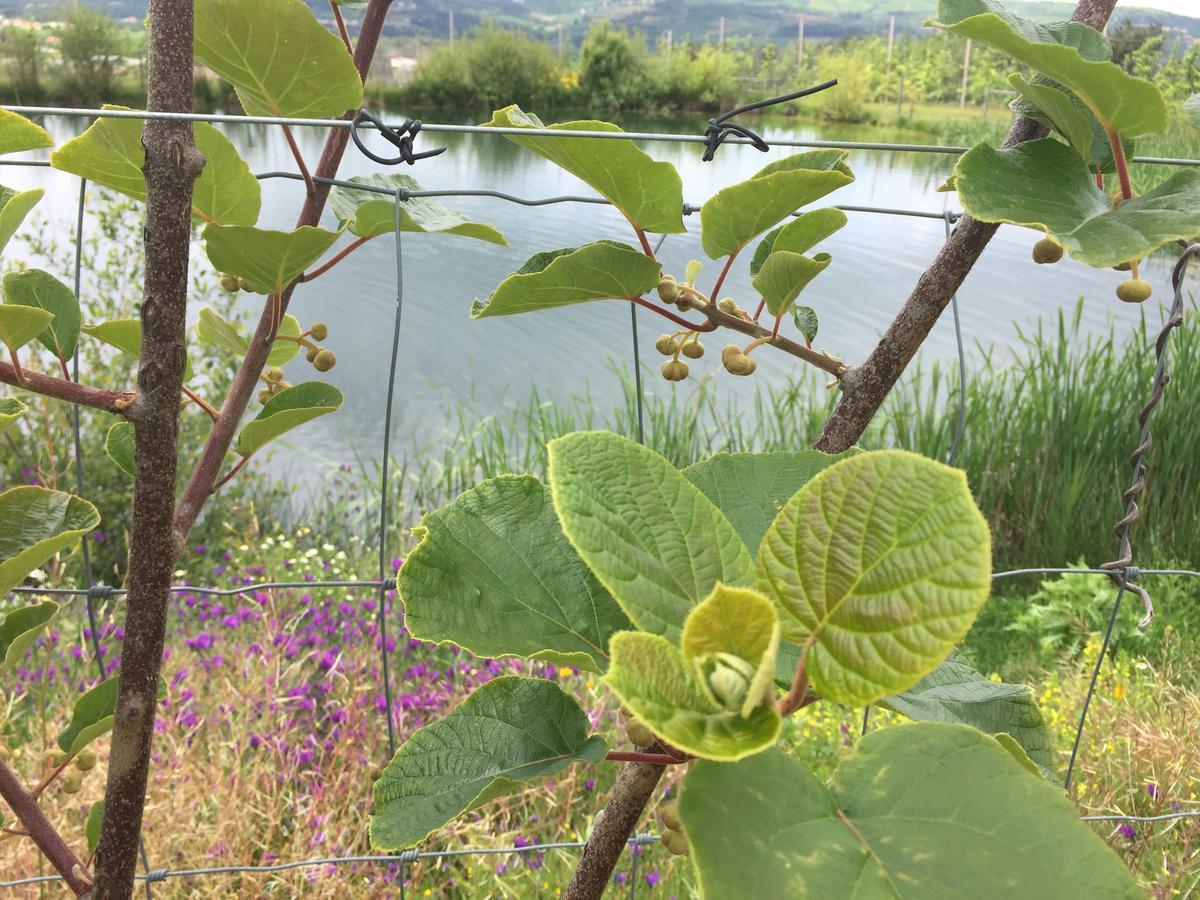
268,260
119,447
21,324
126,336
738,214
784,275
604,270
91,829
14,207
955,692
662,689
879,566
36,523
288,409
1130,106
110,153
93,715
20,628
370,214
805,320
509,731
751,488
213,329
17,134
279,58
649,194
741,622
41,290
917,812
799,235
11,409
1044,184
652,538
494,574
1058,110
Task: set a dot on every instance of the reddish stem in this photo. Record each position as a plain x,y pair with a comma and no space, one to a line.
761,306
295,148
658,759
237,467
341,24
49,841
775,330
333,261
1099,179
1122,166
18,372
66,372
708,326
200,402
716,291
72,392
645,241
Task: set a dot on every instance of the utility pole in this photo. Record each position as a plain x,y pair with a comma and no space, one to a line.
962,97
800,42
451,28
560,40
721,35
891,40
670,44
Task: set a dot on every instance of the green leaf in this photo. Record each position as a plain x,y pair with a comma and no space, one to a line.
693,271
604,270
41,290
11,409
1009,743
21,324
494,574
20,628
917,812
93,715
288,409
370,214
751,488
1130,106
878,566
91,829
784,275
36,523
1044,184
119,446
509,731
17,134
212,328
799,235
805,320
741,622
268,260
738,214
651,537
663,690
126,336
954,692
1056,107
278,57
14,207
648,193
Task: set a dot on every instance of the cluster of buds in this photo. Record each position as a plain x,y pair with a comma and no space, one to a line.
681,343
673,836
273,378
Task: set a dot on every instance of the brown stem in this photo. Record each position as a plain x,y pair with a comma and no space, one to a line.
49,841
657,759
18,372
62,364
646,248
117,402
299,157
865,387
172,165
49,779
341,25
333,261
237,467
761,306
200,402
826,363
716,291
799,693
667,314
199,486
1118,151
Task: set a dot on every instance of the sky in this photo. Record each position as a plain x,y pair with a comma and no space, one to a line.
1183,7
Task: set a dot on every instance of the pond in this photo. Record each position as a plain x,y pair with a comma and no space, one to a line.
445,358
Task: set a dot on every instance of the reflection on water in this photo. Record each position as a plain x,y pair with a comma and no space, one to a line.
445,356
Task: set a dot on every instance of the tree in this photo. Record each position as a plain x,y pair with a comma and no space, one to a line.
23,50
91,47
612,68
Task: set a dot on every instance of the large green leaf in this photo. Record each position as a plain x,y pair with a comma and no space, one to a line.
35,288
119,447
268,260
663,690
36,523
93,715
741,212
288,409
1130,106
918,812
879,565
955,692
784,275
1044,184
17,134
370,214
509,731
110,153
799,235
278,57
648,193
213,328
652,538
11,409
21,324
604,270
1056,108
751,488
20,628
494,574
14,207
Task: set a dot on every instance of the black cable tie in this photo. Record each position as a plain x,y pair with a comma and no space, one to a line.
719,129
401,138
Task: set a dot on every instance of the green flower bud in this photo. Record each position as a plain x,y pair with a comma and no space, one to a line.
674,370
312,353
264,395
1134,290
85,761
275,374
739,363
324,361
728,351
639,735
244,284
668,290
230,282
320,331
728,677
1047,251
666,345
693,349
72,782
728,305
676,843
669,815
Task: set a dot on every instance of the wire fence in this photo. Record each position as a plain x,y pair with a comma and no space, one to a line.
1122,571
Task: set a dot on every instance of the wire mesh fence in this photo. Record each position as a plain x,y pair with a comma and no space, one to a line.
1122,571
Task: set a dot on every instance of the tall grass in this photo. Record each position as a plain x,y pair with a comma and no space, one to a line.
1046,443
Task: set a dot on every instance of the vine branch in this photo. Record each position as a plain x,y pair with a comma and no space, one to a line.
334,260
25,807
116,402
309,186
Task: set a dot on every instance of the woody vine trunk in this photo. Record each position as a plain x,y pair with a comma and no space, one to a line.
172,165
863,391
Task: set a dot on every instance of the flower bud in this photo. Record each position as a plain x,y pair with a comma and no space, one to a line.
320,331
693,349
230,282
324,361
668,290
666,345
1134,290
